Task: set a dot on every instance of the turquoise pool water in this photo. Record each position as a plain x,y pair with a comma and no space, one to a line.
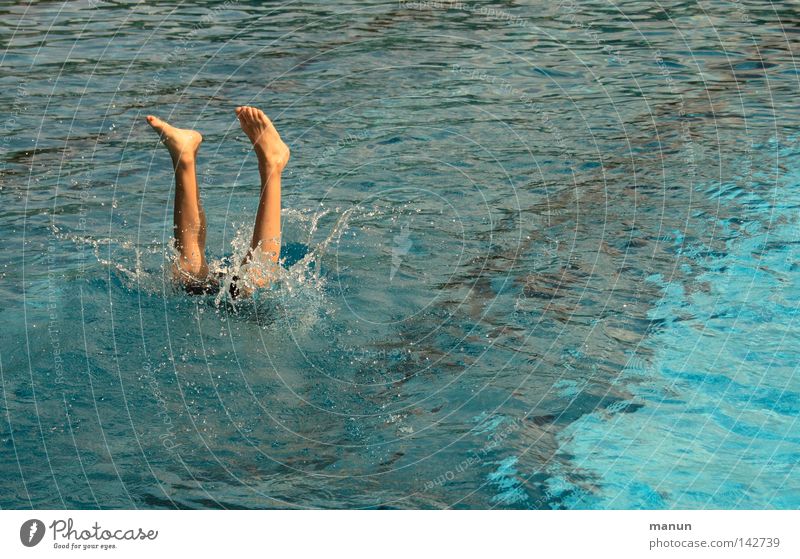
538,255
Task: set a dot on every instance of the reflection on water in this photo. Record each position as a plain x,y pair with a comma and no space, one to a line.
537,256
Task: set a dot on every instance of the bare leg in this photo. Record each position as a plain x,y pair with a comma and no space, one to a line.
189,219
273,155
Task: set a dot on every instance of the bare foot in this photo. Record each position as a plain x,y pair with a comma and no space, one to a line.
269,148
182,143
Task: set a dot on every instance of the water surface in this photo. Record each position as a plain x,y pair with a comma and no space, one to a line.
538,255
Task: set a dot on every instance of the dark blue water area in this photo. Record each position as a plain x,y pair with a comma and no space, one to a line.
540,256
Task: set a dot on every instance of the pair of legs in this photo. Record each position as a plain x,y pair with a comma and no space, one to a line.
191,268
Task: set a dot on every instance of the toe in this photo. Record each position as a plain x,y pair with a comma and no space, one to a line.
156,122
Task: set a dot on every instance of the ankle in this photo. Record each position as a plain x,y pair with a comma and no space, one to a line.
183,161
270,168
272,160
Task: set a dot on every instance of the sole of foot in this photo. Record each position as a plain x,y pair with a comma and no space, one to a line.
267,143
